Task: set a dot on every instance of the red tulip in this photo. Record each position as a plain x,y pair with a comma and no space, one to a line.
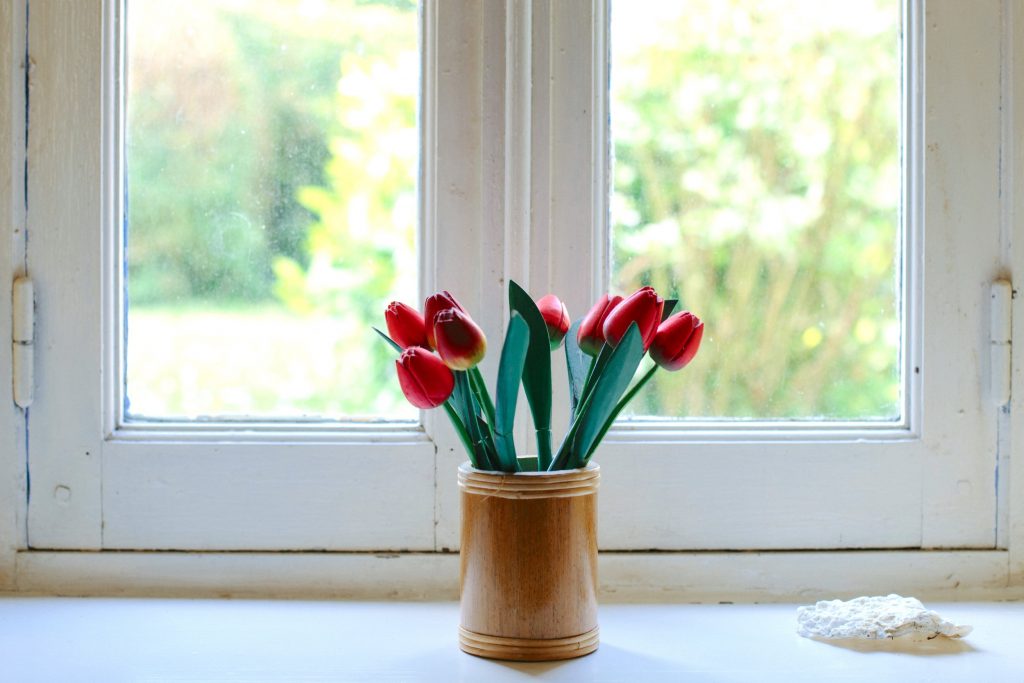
677,341
556,317
460,341
405,325
644,307
591,334
434,305
426,381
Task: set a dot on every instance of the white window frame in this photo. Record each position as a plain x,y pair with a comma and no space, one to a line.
507,124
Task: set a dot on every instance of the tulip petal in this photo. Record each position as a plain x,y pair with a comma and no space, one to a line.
459,341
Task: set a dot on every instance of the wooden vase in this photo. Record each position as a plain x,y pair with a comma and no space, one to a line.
528,571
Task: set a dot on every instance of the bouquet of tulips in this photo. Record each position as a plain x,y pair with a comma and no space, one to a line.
603,351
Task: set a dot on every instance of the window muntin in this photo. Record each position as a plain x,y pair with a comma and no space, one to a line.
271,154
756,177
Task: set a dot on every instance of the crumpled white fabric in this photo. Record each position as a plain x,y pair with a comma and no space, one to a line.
871,618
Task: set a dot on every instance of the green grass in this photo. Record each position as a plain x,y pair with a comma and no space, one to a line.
257,361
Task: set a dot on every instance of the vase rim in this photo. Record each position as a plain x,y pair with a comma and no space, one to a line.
557,484
468,466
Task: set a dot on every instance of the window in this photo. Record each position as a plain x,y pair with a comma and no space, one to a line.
270,163
515,181
756,170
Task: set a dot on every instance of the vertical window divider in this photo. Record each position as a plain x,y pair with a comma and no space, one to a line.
113,230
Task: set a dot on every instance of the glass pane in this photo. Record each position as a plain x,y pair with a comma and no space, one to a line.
757,178
271,162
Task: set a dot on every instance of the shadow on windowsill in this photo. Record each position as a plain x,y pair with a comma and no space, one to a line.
936,647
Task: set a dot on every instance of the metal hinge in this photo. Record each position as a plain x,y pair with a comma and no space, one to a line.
23,332
1001,340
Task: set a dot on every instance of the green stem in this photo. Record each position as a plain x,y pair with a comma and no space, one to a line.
594,374
482,395
565,450
586,382
543,449
470,414
460,429
623,402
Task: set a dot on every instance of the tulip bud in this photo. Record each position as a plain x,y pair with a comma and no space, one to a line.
426,381
434,305
591,334
556,317
460,341
644,307
405,325
677,341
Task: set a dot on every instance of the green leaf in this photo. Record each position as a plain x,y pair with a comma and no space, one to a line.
487,441
537,369
460,429
670,305
608,388
597,366
576,363
566,452
510,372
389,340
618,409
468,412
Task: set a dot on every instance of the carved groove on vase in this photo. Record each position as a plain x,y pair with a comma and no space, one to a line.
528,649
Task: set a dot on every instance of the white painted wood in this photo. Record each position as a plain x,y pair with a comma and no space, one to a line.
464,200
804,576
646,577
961,208
518,98
757,495
1011,470
335,576
296,496
42,640
22,332
64,259
570,160
12,164
1001,337
1007,164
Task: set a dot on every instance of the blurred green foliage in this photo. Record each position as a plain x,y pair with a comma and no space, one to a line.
756,178
271,154
361,247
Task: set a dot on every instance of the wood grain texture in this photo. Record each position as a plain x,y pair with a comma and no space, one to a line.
528,568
